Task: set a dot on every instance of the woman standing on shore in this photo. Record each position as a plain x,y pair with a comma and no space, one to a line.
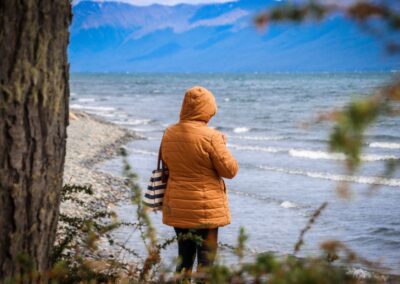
195,200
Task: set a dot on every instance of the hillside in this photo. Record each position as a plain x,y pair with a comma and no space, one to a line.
119,37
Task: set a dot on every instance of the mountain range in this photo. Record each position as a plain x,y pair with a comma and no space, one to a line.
120,37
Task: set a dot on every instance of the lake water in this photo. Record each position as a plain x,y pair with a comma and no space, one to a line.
286,171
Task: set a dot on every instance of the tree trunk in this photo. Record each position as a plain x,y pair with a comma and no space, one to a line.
34,96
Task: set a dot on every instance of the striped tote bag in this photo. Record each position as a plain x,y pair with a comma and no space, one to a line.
154,194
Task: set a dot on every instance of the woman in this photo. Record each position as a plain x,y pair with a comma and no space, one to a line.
197,159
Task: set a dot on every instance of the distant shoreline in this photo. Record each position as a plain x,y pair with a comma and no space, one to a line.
393,71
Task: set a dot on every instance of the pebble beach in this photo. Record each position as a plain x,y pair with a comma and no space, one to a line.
92,140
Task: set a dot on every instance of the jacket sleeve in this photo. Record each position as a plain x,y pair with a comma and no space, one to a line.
222,159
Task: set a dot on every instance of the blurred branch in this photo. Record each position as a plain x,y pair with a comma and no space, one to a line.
310,222
365,13
347,136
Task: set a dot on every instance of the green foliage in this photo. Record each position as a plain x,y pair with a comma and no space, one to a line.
76,228
75,255
351,124
218,274
148,232
241,246
267,268
348,134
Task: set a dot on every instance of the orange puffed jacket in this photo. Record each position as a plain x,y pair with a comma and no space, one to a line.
197,159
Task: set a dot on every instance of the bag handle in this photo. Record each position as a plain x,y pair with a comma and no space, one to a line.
159,160
160,163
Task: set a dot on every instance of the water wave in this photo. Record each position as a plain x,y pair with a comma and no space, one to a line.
288,204
320,155
384,231
134,122
311,154
383,137
371,180
144,129
257,148
86,100
110,115
93,108
259,138
317,155
282,203
142,151
385,145
241,129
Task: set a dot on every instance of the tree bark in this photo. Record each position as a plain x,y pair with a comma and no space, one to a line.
34,94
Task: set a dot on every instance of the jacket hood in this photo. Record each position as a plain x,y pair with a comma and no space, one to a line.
199,104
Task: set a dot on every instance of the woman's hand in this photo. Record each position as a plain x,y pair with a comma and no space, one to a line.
222,159
225,138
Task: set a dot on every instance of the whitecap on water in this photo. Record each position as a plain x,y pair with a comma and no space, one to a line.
143,129
133,121
336,177
281,203
256,148
241,129
311,154
93,108
385,145
86,100
260,138
320,155
144,152
288,204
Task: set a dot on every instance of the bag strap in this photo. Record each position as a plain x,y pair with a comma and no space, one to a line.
159,159
160,163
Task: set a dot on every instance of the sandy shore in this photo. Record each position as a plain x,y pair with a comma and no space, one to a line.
90,141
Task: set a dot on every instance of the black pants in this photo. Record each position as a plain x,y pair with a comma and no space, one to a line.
189,244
